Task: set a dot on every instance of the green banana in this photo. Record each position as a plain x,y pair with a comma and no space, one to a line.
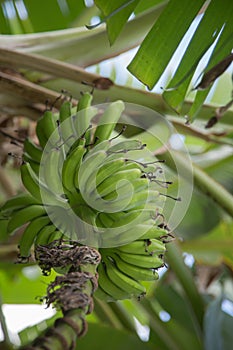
71,166
109,185
115,216
30,180
106,170
124,234
40,132
30,233
123,220
87,214
128,284
56,236
65,111
116,200
120,192
34,165
125,146
110,173
154,232
143,247
132,217
88,166
43,235
18,202
138,185
108,121
84,102
137,273
140,199
107,222
37,188
50,171
131,165
146,261
79,141
33,151
66,125
45,128
85,113
93,161
110,288
25,215
102,295
125,230
96,147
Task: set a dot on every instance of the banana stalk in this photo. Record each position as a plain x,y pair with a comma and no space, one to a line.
72,293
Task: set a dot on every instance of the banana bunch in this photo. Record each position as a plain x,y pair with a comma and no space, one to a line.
123,268
90,185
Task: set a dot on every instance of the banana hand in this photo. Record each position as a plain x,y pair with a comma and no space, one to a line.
123,281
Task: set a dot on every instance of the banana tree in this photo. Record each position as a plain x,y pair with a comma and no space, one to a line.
119,190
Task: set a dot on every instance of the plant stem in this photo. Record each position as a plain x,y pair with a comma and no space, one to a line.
75,75
62,336
4,326
158,327
183,274
123,316
213,189
22,96
181,127
106,314
202,180
45,64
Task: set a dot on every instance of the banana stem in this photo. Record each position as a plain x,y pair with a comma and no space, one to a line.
63,335
71,292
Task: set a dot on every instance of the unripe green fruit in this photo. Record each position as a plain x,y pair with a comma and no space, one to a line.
103,182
